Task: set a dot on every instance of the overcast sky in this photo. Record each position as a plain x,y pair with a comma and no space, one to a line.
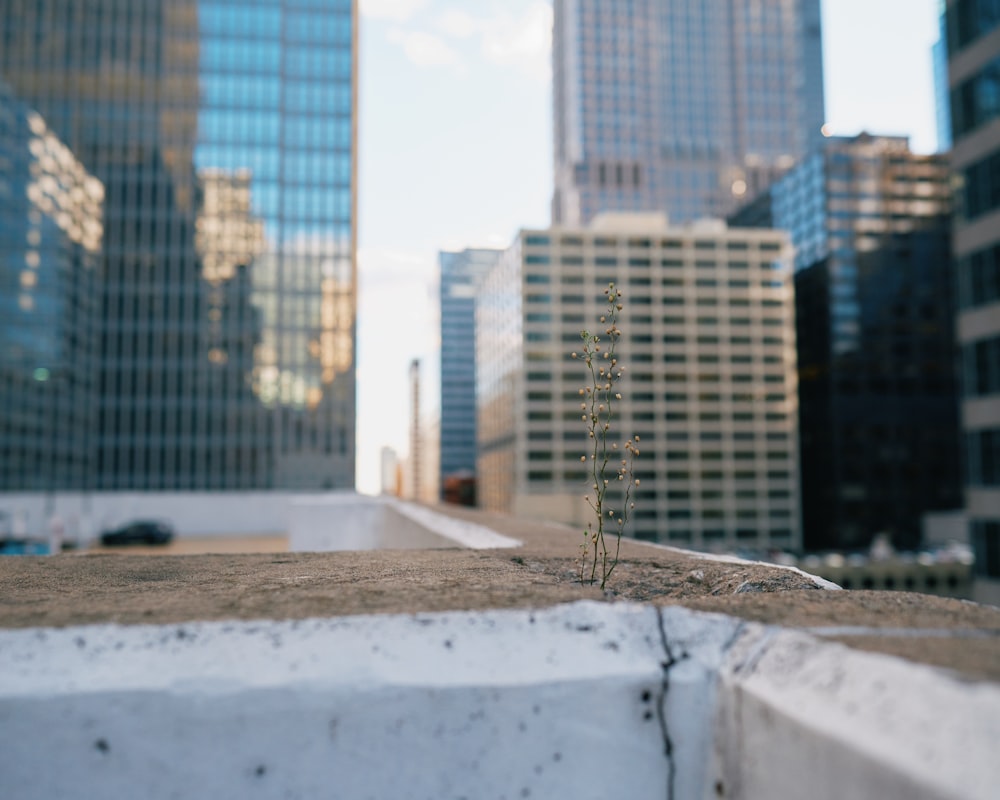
455,137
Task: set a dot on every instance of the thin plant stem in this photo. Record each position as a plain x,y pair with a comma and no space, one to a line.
599,408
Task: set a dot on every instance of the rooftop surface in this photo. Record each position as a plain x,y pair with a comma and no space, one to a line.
131,588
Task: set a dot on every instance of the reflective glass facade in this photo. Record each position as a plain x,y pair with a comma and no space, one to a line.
223,134
51,212
682,106
939,59
460,271
878,407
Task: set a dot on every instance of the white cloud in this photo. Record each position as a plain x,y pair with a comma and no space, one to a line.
524,42
395,10
381,265
425,49
458,23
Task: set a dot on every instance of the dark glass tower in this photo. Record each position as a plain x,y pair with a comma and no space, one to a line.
878,429
224,136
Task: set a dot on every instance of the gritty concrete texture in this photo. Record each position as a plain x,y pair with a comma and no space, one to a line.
200,545
134,589
801,718
483,705
587,700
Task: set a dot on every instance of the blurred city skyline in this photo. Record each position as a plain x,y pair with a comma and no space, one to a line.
456,151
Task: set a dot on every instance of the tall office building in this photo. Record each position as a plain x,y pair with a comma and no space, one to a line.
870,222
709,348
224,135
942,102
415,462
680,106
460,271
974,75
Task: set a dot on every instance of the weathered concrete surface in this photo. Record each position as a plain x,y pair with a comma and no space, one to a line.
132,589
800,718
487,704
468,704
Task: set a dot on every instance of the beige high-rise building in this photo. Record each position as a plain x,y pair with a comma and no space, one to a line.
709,348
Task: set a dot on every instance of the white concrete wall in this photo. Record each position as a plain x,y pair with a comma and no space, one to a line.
566,702
798,718
191,513
580,701
314,522
356,522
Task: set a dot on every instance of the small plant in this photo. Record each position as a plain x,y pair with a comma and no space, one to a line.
610,465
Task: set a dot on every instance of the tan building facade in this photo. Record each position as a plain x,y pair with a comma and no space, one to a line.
709,348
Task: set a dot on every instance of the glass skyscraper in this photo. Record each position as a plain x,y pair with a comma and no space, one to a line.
875,337
50,241
223,134
460,272
680,106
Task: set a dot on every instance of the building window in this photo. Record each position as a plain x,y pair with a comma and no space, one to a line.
982,187
979,278
982,367
984,457
539,475
986,545
967,20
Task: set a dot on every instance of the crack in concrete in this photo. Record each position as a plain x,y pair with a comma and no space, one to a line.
661,705
734,637
757,651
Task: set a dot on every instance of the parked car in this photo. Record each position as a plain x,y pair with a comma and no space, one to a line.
139,532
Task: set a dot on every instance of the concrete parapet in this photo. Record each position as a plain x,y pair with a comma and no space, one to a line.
366,523
798,717
586,700
484,670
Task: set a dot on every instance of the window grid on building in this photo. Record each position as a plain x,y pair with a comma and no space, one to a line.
223,135
711,395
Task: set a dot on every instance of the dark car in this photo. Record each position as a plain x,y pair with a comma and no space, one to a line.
139,532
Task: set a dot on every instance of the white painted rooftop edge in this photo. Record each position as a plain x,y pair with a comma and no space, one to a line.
467,534
822,583
516,703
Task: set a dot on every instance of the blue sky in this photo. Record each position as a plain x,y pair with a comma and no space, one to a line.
455,141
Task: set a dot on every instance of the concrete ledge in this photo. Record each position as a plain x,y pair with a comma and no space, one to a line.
587,700
346,521
72,590
798,717
484,673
